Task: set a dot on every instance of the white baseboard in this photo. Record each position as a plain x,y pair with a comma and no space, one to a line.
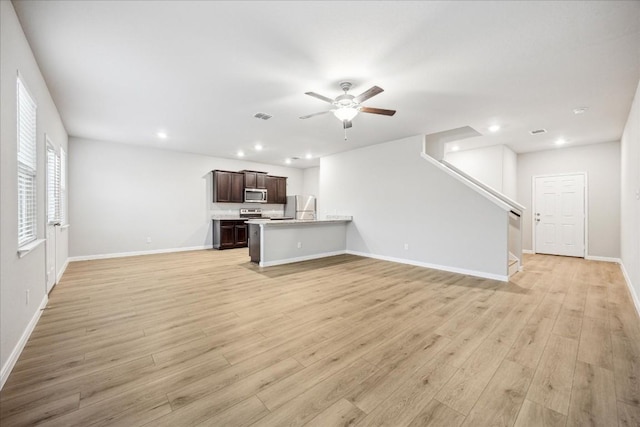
603,258
502,278
301,258
135,253
62,270
632,290
17,350
527,251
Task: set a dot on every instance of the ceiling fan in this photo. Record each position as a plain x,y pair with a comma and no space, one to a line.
347,106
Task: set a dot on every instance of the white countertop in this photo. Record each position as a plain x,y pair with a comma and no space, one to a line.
270,223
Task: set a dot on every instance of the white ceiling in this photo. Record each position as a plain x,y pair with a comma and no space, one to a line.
122,70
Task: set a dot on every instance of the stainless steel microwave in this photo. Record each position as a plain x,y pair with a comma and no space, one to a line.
255,195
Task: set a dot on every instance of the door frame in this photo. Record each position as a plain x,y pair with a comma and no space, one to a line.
48,143
586,207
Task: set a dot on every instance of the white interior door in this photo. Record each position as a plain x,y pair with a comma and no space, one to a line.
559,215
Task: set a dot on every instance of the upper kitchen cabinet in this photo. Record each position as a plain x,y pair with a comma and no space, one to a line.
276,189
255,179
228,187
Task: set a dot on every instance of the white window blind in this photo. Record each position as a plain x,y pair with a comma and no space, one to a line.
63,187
53,186
27,207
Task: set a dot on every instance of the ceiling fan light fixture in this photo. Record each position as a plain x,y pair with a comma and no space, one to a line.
345,113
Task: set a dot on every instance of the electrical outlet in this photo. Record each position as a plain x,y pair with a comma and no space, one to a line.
27,296
406,246
299,245
148,239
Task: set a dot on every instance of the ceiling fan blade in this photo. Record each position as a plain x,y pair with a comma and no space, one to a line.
368,94
346,124
377,111
315,114
320,97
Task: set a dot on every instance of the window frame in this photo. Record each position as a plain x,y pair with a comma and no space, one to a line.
27,164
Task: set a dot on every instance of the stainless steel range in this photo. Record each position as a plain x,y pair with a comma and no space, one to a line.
257,213
250,213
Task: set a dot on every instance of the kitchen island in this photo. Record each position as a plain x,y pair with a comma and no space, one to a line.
282,242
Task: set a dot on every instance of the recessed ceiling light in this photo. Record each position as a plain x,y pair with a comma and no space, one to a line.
162,135
455,148
560,141
287,161
580,110
309,156
494,128
258,147
240,153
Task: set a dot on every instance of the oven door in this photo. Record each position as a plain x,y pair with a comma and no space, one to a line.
252,195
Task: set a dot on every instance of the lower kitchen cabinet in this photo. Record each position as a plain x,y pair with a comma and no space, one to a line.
229,234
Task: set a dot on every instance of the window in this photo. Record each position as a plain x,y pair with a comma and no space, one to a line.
63,187
27,206
53,185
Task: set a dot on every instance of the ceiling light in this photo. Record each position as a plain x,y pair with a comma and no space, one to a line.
455,148
258,147
287,161
560,141
162,135
580,110
494,128
308,156
345,113
240,153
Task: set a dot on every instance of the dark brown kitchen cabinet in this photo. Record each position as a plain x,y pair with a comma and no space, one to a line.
228,187
276,189
254,179
229,234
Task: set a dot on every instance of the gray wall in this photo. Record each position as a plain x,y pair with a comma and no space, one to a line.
19,275
494,166
602,164
311,182
397,197
630,198
122,194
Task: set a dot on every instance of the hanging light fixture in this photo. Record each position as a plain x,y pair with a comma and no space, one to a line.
345,113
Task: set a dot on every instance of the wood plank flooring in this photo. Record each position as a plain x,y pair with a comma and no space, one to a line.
206,338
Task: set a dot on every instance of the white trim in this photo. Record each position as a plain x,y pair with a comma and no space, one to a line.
25,249
481,274
449,171
585,207
603,258
62,270
528,251
632,290
301,258
136,253
514,205
17,350
64,227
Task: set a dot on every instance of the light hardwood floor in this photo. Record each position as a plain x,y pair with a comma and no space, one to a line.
206,338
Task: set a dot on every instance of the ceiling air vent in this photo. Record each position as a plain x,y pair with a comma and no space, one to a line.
537,131
263,116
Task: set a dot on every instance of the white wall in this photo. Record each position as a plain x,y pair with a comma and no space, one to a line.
494,166
509,173
397,197
122,194
630,198
19,275
311,182
602,164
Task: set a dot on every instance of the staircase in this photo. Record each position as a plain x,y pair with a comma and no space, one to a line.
433,152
